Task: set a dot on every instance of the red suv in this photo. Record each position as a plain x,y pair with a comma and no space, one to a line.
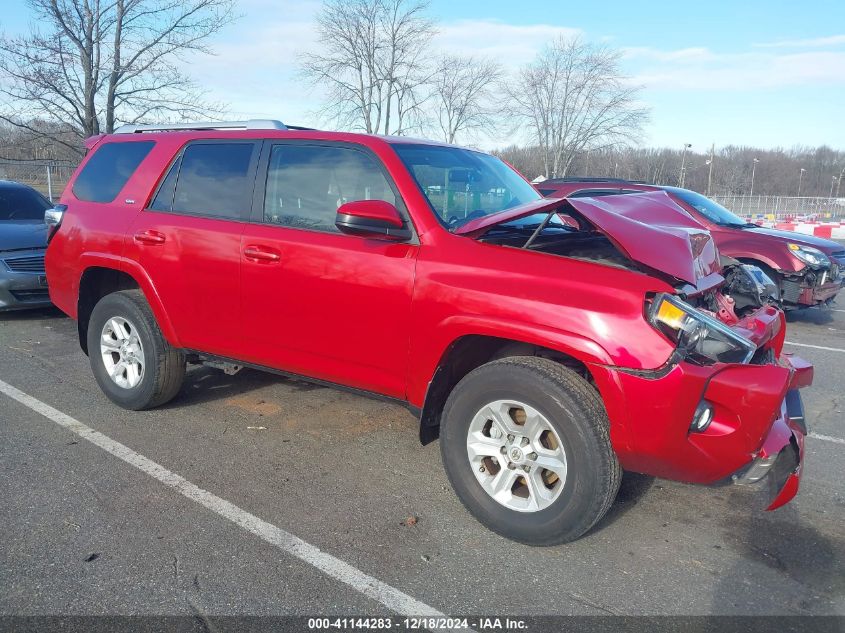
549,344
808,271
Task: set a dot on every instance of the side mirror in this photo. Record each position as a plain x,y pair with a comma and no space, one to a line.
372,218
53,219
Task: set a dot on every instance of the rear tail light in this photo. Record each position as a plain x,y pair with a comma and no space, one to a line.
53,219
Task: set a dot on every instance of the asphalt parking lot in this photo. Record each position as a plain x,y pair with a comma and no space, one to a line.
87,532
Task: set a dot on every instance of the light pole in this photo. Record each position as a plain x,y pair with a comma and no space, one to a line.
710,171
839,181
832,180
683,163
753,169
800,177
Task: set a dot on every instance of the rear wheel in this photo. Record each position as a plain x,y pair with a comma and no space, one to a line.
132,362
525,443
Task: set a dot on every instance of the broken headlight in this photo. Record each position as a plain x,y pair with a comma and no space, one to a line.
808,254
699,337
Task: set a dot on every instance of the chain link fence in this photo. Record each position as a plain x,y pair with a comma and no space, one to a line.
782,207
46,176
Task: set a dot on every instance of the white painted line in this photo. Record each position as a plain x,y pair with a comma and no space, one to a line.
829,349
835,310
390,597
827,438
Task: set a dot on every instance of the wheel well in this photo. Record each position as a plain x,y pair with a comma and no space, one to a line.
95,284
759,264
468,353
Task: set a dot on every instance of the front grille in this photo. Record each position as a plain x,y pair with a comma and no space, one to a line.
28,264
790,291
31,295
839,256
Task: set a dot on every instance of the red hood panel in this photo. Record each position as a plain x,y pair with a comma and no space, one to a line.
478,226
647,227
652,230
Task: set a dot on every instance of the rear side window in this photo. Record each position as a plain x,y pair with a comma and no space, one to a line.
213,179
164,197
108,170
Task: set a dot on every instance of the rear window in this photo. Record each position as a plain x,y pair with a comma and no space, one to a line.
107,171
22,203
210,179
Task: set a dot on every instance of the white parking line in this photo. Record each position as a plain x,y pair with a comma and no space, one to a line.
829,349
827,438
390,597
834,310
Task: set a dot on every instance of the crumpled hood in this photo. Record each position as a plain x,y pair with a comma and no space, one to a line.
22,234
649,228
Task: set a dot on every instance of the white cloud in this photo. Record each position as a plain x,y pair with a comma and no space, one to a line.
255,67
702,70
680,55
510,44
813,42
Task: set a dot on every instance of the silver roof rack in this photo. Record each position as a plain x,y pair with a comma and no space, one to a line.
252,124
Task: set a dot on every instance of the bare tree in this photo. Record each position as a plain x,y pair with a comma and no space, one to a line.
572,98
92,64
371,62
462,91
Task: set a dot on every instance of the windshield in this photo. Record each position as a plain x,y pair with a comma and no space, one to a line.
461,184
22,203
713,211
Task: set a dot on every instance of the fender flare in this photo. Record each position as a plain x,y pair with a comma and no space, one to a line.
145,283
457,328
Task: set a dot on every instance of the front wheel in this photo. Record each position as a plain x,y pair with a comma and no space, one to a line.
131,360
525,443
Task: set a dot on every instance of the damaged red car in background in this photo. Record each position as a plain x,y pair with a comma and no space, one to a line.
807,270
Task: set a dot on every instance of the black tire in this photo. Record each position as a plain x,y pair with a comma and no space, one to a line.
577,414
164,369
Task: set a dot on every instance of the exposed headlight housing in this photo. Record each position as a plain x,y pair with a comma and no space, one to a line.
699,337
808,254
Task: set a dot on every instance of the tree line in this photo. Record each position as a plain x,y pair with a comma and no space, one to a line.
730,170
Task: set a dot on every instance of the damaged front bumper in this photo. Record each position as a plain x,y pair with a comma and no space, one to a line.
779,462
757,427
811,287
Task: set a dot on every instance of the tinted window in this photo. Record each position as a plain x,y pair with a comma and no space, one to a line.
164,197
22,203
711,210
461,184
214,179
108,169
307,183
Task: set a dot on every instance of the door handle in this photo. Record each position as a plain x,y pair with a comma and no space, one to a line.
261,254
149,237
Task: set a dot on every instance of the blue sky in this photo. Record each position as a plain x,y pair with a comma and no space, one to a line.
743,72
